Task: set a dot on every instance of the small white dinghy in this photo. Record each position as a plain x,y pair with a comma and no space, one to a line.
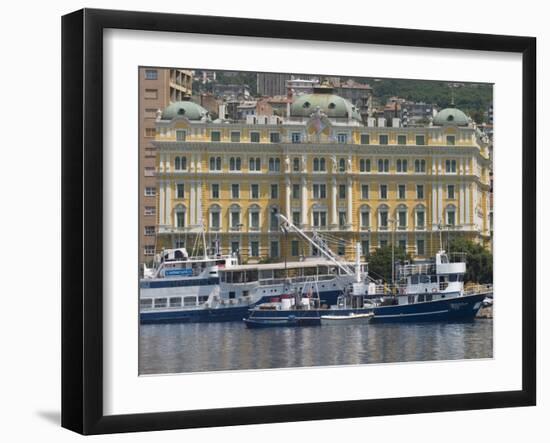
351,318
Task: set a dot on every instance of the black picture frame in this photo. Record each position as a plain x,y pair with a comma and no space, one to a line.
82,188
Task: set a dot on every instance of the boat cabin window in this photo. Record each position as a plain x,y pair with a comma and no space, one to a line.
189,301
429,297
266,274
231,294
444,258
420,298
160,302
453,277
323,270
424,279
414,279
146,303
178,255
203,298
280,273
175,302
433,278
309,271
240,276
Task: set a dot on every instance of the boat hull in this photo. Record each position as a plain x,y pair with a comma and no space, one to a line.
217,314
448,309
451,309
353,319
284,321
200,315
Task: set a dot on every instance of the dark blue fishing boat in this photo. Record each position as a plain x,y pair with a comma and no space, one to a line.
428,290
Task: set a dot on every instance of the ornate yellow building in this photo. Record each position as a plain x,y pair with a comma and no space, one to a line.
326,171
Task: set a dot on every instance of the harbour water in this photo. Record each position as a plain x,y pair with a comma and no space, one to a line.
203,347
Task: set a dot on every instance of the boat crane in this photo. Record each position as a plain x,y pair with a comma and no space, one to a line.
359,287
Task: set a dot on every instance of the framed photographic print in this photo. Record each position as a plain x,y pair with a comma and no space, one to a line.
311,221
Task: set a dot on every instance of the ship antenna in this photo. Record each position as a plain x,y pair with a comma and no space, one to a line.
440,227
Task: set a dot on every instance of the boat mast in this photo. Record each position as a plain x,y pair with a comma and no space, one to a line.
204,240
440,226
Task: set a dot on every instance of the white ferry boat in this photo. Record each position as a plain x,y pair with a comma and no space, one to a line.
177,282
226,291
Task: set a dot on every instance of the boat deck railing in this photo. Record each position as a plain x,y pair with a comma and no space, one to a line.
278,281
389,289
478,289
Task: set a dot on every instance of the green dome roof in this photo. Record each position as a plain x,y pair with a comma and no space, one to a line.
451,116
332,105
187,109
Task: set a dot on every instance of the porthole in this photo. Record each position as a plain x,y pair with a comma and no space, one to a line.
307,104
331,105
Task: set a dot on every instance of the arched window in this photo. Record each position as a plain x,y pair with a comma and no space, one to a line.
420,166
273,218
420,217
235,164
235,216
184,163
401,165
322,164
364,217
364,165
383,165
254,164
342,165
383,218
215,217
316,164
296,164
274,164
215,163
254,218
401,217
177,164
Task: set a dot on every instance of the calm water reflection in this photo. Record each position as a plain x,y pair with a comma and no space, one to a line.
223,346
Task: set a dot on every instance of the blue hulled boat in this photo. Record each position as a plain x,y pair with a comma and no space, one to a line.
426,291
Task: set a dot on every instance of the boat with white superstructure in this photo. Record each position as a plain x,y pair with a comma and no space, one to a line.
212,288
428,290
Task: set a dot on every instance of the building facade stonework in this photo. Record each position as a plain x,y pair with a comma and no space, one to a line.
325,170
